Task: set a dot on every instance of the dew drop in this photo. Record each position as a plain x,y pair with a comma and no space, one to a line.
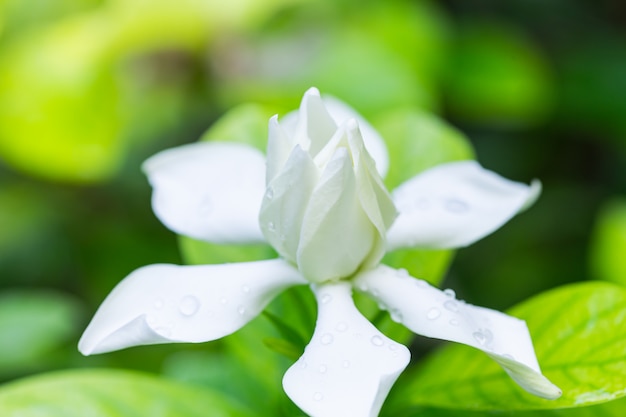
241,310
421,283
451,305
375,292
271,227
363,287
508,356
326,339
456,206
377,340
189,305
449,293
322,369
402,273
269,194
326,298
396,315
382,306
345,364
454,322
433,314
318,396
341,327
245,289
393,347
303,364
479,337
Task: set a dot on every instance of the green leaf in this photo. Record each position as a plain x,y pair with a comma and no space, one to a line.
111,394
579,333
417,141
222,372
246,123
608,244
613,408
197,252
38,322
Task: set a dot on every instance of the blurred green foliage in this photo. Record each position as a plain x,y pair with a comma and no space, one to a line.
90,88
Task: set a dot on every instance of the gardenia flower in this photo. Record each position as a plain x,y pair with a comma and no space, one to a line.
320,202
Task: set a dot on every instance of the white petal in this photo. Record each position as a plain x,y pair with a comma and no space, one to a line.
209,190
336,232
285,203
430,312
374,143
348,367
279,147
453,205
170,303
315,126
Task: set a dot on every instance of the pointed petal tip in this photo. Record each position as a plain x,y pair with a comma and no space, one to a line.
534,192
313,91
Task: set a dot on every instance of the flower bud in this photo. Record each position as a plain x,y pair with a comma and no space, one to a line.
325,208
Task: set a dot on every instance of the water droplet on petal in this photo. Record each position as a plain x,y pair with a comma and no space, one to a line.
326,339
375,292
393,347
396,315
241,310
508,356
382,306
363,287
454,322
456,206
451,305
318,396
402,273
189,305
271,226
303,364
245,289
421,283
341,327
269,194
323,369
449,293
377,340
479,337
433,314
326,298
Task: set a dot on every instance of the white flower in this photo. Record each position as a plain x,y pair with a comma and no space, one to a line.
321,204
